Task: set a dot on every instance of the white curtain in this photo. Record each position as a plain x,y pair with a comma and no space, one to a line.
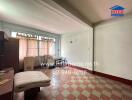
47,47
32,47
22,50
51,47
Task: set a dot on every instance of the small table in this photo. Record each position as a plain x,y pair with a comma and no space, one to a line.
30,82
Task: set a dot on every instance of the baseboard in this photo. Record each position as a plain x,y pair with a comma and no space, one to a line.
80,68
119,79
115,78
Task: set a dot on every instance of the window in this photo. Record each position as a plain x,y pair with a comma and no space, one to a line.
33,45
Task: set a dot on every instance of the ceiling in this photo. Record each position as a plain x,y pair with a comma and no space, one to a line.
40,14
94,11
61,16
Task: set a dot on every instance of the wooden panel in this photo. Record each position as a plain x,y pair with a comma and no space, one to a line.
11,54
1,43
1,35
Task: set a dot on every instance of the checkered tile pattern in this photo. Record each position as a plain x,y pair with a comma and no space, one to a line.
73,84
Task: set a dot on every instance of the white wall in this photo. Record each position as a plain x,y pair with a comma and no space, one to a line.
113,47
79,52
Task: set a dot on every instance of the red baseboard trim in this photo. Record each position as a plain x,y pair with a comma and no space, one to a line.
80,68
115,78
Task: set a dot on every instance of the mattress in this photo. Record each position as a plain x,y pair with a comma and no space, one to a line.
30,79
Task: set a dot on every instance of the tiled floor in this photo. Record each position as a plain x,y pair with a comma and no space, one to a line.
72,84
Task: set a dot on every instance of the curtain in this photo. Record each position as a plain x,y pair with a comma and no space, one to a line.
42,48
32,48
51,48
22,50
29,47
47,47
